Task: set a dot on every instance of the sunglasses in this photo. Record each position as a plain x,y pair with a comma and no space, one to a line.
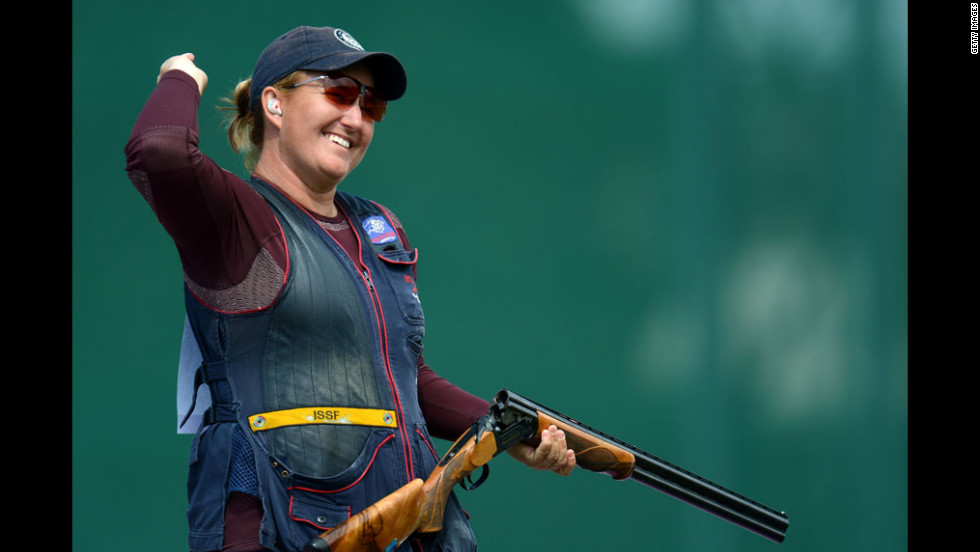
343,91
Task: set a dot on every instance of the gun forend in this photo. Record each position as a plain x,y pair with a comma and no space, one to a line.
598,452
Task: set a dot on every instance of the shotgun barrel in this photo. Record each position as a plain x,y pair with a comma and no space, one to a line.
596,451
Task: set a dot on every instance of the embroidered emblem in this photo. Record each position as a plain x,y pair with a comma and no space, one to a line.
415,290
379,230
347,39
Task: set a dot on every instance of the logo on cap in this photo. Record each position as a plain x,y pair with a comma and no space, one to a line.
347,39
379,230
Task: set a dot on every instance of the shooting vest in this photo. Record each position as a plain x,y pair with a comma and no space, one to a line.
322,384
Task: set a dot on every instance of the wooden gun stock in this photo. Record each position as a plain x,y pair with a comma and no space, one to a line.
417,506
386,522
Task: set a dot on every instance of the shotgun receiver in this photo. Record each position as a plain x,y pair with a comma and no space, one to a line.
418,506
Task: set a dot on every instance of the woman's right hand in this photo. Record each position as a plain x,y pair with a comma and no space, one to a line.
185,63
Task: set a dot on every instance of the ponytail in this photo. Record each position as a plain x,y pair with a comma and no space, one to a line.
244,130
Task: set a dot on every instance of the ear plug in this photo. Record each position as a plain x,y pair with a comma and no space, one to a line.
274,106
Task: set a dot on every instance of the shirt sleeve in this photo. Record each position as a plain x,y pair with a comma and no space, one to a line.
218,223
448,410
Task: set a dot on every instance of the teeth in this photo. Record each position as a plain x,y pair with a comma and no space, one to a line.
337,139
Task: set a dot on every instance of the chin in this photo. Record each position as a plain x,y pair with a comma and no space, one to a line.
340,170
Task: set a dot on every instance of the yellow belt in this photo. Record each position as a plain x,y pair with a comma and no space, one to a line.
323,415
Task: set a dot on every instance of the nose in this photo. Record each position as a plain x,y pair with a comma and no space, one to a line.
353,117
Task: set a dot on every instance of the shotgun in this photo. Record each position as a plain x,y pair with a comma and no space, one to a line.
418,506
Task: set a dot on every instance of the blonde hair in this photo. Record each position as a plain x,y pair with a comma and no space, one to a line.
245,129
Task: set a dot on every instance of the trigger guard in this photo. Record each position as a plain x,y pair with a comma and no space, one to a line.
473,485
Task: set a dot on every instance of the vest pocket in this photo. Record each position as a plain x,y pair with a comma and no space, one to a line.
316,510
324,503
400,273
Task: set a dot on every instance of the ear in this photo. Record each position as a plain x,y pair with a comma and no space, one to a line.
271,106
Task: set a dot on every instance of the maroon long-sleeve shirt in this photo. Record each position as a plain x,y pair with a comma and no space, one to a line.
226,233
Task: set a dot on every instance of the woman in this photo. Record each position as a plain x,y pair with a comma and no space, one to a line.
302,301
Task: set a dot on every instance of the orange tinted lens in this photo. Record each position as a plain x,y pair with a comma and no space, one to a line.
343,92
340,93
373,106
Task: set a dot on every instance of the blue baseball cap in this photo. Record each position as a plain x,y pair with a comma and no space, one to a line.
324,49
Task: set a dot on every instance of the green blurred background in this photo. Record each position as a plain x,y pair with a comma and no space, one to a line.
684,223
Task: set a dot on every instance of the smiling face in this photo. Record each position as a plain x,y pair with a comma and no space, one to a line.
316,141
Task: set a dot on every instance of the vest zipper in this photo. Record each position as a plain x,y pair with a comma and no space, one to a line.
383,336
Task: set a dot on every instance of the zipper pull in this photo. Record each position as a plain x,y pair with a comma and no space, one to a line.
367,278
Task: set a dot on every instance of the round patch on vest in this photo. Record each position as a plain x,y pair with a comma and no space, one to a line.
258,422
388,419
379,230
